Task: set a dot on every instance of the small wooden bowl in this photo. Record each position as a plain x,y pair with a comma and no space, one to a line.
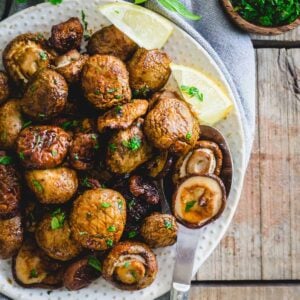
250,27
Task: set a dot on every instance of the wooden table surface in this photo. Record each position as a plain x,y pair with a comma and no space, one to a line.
259,257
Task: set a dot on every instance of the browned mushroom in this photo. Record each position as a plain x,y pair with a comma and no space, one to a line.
199,200
4,87
205,158
130,266
33,268
159,230
159,166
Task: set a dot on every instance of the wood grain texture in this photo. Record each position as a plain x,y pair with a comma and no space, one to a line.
245,293
263,241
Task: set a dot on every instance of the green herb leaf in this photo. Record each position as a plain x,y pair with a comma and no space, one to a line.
112,147
55,2
120,204
189,205
33,273
84,21
97,92
126,264
85,182
133,144
76,157
58,219
109,243
132,234
192,92
95,263
111,228
26,124
133,273
69,124
43,55
118,110
140,1
188,136
83,233
105,205
111,90
168,224
6,160
54,153
180,8
37,185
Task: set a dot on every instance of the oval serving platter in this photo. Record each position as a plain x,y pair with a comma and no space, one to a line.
40,18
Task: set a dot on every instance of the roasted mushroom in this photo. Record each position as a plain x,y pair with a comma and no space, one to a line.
70,65
105,81
4,87
130,266
205,158
144,188
128,149
159,230
81,273
45,96
25,55
149,71
98,218
110,40
67,35
199,200
122,116
33,268
10,190
160,165
11,236
52,186
10,123
42,147
83,151
53,235
170,125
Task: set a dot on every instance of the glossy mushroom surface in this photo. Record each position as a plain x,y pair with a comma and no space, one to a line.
199,200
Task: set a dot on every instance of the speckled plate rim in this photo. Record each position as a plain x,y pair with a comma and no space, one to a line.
210,235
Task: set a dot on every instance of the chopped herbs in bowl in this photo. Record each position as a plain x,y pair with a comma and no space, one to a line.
268,13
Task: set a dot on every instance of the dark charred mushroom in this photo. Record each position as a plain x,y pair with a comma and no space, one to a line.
159,230
130,266
4,87
81,273
199,200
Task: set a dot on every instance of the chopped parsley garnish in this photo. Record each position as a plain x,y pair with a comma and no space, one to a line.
142,92
112,147
69,124
105,205
86,34
120,204
118,96
168,224
94,137
189,205
58,219
111,90
54,153
126,264
109,243
37,185
133,144
192,91
95,263
268,12
188,136
111,228
26,124
43,55
85,182
6,160
97,92
97,146
76,157
21,156
133,274
132,234
131,203
118,110
83,233
33,273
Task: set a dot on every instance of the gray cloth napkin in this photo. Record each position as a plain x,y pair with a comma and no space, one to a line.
230,47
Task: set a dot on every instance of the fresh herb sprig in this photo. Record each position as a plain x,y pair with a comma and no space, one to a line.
268,13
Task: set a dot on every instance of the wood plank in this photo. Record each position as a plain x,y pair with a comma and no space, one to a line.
245,292
291,39
279,116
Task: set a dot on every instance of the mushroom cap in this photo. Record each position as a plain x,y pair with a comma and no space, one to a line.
199,200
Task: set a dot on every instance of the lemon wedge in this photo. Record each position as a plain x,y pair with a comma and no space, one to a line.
206,97
148,29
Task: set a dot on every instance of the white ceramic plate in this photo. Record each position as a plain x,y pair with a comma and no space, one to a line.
183,50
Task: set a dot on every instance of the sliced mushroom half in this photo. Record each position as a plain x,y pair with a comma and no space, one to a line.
130,266
199,200
205,158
